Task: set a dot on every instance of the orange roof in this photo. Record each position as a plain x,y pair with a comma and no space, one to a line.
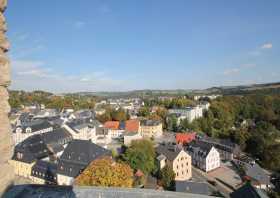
132,125
185,137
112,125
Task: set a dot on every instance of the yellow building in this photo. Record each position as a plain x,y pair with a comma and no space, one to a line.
178,159
150,128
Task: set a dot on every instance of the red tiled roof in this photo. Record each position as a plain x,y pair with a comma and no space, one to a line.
132,125
112,125
185,137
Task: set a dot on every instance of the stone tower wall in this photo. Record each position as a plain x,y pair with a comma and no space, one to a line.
6,148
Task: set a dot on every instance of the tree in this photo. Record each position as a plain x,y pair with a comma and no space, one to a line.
119,115
167,177
105,172
172,123
140,155
144,111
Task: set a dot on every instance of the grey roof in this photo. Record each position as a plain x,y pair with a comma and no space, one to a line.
161,157
222,144
35,125
193,187
43,191
169,151
41,145
58,136
150,122
77,155
32,148
201,148
79,124
248,191
257,173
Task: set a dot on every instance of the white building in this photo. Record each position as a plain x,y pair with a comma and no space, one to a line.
204,156
191,113
81,130
29,129
130,136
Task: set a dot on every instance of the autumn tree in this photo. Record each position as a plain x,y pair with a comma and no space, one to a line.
107,173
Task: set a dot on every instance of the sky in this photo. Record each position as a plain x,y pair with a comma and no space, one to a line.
120,45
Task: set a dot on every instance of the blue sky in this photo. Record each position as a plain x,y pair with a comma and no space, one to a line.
119,45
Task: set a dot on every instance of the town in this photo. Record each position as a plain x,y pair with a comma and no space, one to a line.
139,99
157,146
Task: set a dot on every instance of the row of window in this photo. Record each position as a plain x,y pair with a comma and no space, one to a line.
177,173
44,175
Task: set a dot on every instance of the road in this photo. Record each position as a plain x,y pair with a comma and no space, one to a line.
198,175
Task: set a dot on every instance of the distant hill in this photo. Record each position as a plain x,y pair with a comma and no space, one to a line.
225,90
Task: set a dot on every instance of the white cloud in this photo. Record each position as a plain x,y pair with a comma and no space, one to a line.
258,51
237,70
36,75
231,71
266,46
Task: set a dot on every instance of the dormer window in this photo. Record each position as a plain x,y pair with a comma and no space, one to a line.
28,130
19,155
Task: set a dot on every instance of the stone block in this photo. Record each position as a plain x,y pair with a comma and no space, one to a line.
5,76
3,5
4,43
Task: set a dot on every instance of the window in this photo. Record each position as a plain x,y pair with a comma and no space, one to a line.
177,174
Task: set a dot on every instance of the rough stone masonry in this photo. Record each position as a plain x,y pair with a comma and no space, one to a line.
6,147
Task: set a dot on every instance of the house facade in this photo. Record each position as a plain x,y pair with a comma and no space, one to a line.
204,156
151,128
177,158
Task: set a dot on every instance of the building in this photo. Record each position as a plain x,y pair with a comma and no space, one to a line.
47,146
23,119
28,129
185,138
191,113
227,149
76,157
177,158
82,115
151,128
44,172
257,176
204,105
248,191
192,187
26,153
81,129
132,125
204,156
130,136
115,128
43,113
